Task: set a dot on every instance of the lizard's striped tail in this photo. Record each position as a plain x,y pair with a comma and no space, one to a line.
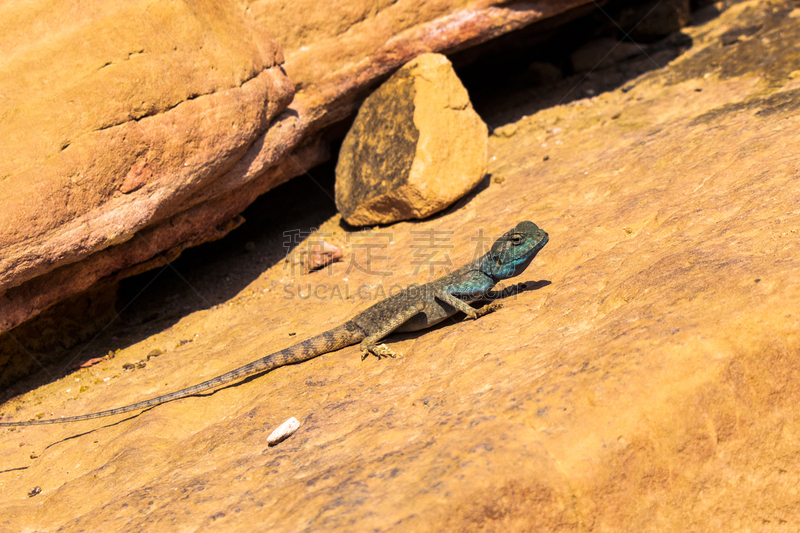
345,335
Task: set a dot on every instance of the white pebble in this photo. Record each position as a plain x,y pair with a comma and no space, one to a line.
283,431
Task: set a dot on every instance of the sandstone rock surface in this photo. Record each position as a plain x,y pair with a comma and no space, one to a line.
652,384
416,146
133,132
118,123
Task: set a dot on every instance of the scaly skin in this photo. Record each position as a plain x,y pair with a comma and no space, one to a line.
416,307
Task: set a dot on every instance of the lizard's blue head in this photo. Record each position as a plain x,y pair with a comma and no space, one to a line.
513,252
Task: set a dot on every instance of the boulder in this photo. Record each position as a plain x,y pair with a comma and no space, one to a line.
416,146
120,122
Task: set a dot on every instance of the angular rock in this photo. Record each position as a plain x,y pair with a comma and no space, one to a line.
320,254
416,146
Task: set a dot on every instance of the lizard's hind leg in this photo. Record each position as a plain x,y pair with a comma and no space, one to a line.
369,345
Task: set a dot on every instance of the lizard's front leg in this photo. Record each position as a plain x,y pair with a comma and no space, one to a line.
465,308
369,344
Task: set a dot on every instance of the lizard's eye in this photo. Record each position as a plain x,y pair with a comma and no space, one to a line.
516,238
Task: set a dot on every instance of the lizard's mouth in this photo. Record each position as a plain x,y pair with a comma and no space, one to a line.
545,240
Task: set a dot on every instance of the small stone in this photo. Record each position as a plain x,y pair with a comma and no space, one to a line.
506,131
283,431
416,146
320,254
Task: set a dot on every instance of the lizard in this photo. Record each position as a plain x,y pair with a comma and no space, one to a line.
414,308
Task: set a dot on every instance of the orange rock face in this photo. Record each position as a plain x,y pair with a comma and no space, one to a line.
647,380
117,124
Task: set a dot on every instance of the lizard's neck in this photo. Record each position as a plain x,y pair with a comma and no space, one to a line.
484,265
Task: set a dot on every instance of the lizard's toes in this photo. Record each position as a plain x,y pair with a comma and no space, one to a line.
378,350
486,309
385,350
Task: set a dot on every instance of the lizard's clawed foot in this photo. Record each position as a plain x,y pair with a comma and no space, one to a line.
486,309
378,350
